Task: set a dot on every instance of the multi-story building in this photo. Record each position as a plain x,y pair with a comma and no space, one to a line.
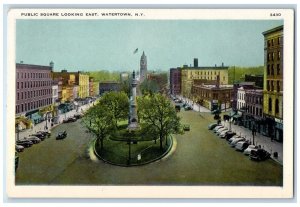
143,67
107,86
253,114
96,88
33,89
241,102
188,74
236,86
273,82
55,92
175,81
91,87
74,78
210,93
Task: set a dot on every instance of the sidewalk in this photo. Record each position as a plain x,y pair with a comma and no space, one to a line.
265,142
41,126
194,105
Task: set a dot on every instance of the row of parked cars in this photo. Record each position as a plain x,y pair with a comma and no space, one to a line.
31,139
239,143
73,119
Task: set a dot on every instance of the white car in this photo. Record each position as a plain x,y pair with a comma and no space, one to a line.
19,148
248,150
217,128
234,142
241,146
233,138
223,133
221,130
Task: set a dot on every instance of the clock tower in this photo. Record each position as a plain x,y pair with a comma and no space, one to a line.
143,69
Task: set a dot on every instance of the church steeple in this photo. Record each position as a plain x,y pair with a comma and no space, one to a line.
143,68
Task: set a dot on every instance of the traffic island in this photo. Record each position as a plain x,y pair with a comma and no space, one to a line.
132,149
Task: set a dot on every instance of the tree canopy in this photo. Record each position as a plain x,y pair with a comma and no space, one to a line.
157,112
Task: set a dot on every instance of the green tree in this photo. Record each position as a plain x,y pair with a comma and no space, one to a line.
98,119
149,87
117,103
157,112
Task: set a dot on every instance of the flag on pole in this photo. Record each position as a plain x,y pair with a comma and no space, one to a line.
136,50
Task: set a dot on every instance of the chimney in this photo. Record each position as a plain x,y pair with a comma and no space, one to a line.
215,65
222,64
21,62
195,62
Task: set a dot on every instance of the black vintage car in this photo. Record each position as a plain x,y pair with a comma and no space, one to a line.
39,135
61,135
45,133
24,143
259,154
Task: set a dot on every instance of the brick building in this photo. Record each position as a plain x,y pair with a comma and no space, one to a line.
175,81
33,89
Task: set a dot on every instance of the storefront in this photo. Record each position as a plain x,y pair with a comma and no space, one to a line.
278,129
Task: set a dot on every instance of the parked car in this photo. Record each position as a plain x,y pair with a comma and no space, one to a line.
217,128
249,148
39,135
186,127
229,134
33,139
19,148
221,130
24,143
223,133
212,126
177,107
234,142
70,119
259,154
233,138
188,108
45,133
61,135
241,146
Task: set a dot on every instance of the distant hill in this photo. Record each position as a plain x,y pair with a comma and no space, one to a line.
105,75
237,73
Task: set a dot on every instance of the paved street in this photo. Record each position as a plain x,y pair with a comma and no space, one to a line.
200,158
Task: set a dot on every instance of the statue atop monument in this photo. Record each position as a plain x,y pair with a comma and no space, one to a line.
133,118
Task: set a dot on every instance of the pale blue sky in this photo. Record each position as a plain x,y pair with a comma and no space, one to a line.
109,44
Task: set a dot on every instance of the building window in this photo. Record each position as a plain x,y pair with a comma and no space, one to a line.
278,86
272,86
268,85
268,70
260,112
272,69
21,85
17,85
272,42
278,55
270,104
22,108
277,106
278,69
18,96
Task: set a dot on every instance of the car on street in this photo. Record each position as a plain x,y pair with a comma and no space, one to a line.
229,134
233,138
70,119
188,108
220,130
39,135
19,148
234,142
249,148
212,126
259,154
223,133
45,133
24,143
61,135
186,127
217,128
241,146
33,139
78,116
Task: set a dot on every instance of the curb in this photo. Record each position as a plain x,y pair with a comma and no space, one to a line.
134,165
